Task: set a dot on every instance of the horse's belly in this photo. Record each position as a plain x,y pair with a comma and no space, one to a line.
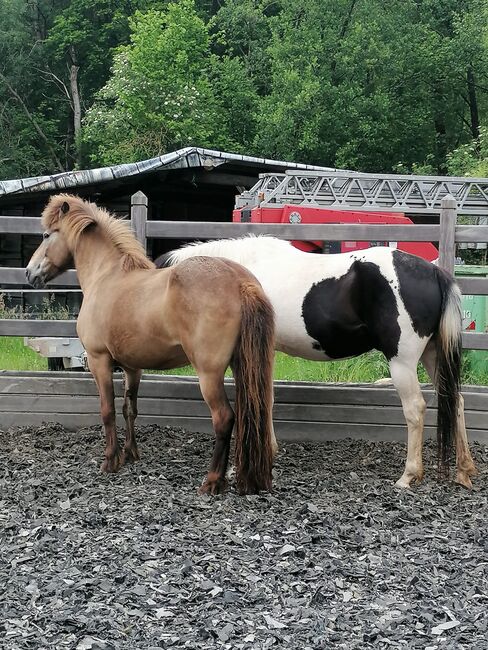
324,339
301,348
291,334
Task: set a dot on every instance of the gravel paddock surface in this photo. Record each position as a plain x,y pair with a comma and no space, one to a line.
335,557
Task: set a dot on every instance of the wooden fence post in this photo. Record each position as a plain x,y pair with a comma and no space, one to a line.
138,216
447,234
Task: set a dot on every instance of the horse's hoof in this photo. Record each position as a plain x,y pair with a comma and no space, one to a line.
408,479
403,484
462,478
213,486
112,464
473,470
131,455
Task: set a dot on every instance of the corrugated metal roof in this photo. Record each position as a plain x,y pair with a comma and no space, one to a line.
181,159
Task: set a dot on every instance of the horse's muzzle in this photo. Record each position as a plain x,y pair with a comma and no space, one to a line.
36,280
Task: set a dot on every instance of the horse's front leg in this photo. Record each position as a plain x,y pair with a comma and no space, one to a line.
101,369
132,381
212,387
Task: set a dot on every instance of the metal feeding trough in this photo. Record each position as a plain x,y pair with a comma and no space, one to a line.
61,353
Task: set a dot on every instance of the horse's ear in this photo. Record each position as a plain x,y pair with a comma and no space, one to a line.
65,207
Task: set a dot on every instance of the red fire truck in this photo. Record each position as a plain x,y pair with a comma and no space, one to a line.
290,213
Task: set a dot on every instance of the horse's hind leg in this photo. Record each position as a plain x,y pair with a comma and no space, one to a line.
212,387
465,466
132,381
101,369
404,376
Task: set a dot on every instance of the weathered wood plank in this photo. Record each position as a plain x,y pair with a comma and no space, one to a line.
329,413
90,404
174,387
18,327
323,432
21,225
475,341
473,286
471,234
447,236
12,275
285,430
138,216
330,232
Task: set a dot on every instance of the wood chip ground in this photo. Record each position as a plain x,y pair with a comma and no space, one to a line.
335,557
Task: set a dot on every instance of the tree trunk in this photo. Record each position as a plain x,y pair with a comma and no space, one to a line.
75,93
75,102
342,34
473,104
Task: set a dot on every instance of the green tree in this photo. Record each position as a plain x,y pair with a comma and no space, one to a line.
471,158
371,86
158,96
168,91
28,133
236,98
240,29
79,47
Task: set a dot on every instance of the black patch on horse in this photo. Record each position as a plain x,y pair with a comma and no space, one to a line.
353,314
419,288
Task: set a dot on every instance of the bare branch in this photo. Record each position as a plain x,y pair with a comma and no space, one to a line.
32,120
53,78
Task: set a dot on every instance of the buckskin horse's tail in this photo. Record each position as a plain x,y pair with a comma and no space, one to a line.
252,366
448,370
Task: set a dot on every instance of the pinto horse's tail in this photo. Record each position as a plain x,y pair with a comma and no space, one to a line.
252,366
448,370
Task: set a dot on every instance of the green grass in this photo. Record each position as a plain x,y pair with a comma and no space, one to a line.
367,368
14,355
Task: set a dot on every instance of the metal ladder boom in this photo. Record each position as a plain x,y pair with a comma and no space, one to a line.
357,191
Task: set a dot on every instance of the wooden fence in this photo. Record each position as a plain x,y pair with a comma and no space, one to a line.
302,411
447,234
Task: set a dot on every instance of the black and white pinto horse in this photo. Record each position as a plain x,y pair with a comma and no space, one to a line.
330,307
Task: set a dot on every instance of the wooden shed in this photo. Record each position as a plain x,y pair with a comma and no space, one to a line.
191,184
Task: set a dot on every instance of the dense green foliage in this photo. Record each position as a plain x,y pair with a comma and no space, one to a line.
360,84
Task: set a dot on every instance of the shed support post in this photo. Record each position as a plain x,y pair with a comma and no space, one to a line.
447,234
138,216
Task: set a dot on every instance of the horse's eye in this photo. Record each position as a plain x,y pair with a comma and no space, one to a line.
45,235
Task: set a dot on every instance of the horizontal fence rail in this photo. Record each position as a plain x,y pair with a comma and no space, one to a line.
36,327
13,275
301,411
447,234
326,231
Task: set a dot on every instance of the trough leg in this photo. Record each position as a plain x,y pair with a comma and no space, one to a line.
101,369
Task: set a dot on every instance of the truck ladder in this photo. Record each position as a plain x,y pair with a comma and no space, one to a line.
357,191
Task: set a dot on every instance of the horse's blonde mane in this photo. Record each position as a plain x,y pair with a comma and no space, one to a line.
238,250
81,214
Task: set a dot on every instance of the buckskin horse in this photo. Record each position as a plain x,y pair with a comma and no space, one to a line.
207,312
330,307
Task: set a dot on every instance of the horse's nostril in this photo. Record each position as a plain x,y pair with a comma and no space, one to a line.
27,275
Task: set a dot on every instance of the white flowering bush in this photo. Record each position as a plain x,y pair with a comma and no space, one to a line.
159,96
470,159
